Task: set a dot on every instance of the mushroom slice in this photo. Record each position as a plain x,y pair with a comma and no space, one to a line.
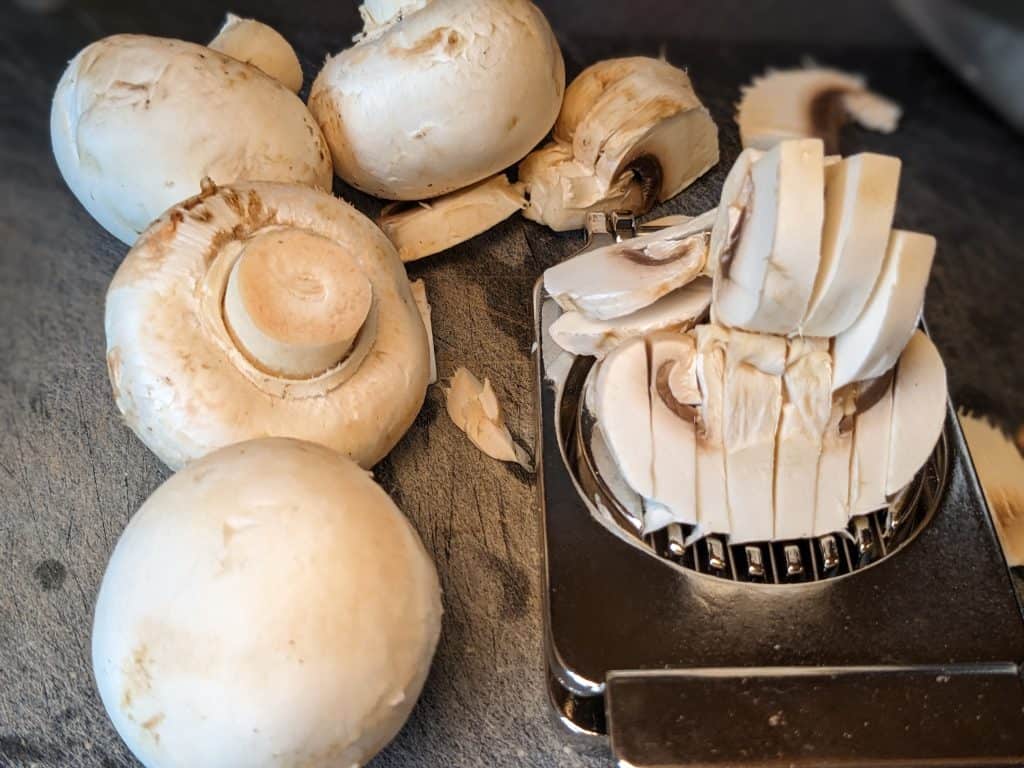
810,102
869,461
754,365
1000,467
604,463
832,495
474,408
631,133
622,405
426,228
262,46
872,344
918,410
621,278
806,407
419,295
675,396
860,199
712,490
731,214
265,309
765,273
679,310
137,122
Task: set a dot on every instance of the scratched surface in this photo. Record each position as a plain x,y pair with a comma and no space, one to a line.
71,475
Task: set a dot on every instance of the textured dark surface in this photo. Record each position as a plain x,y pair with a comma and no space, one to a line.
71,474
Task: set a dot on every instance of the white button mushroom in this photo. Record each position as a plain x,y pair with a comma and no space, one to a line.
832,497
137,122
712,489
265,309
253,42
438,95
267,606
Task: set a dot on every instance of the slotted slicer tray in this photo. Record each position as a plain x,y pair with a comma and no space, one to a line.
899,646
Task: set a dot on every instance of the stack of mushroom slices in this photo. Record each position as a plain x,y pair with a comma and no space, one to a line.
809,396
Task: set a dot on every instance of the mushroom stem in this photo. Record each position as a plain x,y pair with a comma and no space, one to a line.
295,302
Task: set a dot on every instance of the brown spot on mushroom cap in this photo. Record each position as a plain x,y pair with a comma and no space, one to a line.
442,37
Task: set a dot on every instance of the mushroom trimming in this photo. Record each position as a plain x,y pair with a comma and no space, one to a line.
438,95
268,605
265,309
137,122
474,408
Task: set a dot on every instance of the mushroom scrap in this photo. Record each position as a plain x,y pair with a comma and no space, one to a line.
265,309
811,396
137,122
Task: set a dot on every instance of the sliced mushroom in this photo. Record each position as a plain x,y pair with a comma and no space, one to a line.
675,397
265,309
809,103
860,199
679,310
767,266
439,95
832,497
604,463
624,277
731,215
474,408
622,405
137,122
754,364
419,295
255,43
806,407
426,228
1000,467
918,410
712,489
869,460
631,133
873,343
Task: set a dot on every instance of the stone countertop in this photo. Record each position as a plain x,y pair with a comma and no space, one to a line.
71,474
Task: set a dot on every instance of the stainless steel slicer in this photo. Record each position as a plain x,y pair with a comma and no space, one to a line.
900,643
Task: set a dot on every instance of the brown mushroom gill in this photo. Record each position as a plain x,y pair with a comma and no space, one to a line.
679,249
737,226
685,411
862,396
828,115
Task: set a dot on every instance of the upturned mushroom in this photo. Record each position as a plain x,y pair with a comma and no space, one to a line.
437,95
631,133
253,42
268,605
137,122
812,102
265,309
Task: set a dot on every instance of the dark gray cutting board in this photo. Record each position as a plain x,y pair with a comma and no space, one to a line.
71,475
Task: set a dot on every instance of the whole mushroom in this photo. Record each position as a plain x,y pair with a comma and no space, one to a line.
265,309
438,94
268,606
137,122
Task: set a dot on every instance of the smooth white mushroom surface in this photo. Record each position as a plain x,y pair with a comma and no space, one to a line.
265,310
253,42
438,95
267,606
631,133
137,122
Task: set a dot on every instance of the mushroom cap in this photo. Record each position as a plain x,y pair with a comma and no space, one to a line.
181,380
450,94
270,606
137,122
262,46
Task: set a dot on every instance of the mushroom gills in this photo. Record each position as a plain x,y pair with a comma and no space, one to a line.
712,488
806,407
674,396
765,284
754,365
918,410
872,344
860,199
1000,467
621,278
262,46
682,308
419,295
425,228
809,102
474,408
